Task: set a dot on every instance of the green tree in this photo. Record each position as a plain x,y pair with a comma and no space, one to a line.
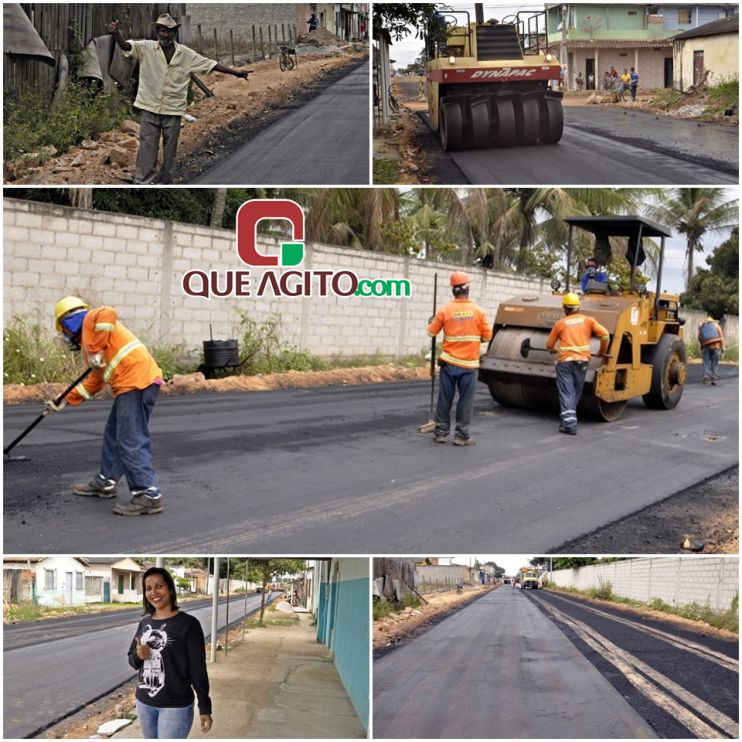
402,19
716,289
266,570
695,212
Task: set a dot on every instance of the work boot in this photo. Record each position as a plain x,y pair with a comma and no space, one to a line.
464,442
440,438
713,382
99,486
139,505
706,380
567,431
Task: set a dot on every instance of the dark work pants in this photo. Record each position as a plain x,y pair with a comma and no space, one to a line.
570,379
452,378
151,126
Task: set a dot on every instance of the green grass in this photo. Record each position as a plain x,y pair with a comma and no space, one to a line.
33,355
27,611
667,98
383,608
386,172
32,122
728,619
722,96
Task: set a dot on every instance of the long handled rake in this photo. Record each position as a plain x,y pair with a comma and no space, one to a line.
58,400
429,426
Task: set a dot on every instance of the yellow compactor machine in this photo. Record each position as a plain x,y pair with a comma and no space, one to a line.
492,83
647,352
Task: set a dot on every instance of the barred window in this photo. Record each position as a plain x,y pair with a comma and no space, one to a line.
685,16
78,580
50,579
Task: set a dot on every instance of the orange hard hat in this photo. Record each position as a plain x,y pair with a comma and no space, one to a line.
459,279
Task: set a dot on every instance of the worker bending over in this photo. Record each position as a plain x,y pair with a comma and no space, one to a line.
573,333
118,358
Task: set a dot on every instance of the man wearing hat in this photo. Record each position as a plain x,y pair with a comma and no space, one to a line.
165,69
573,333
465,327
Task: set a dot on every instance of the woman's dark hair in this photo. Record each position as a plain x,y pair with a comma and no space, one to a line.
162,572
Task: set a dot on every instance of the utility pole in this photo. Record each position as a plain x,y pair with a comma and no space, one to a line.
214,610
563,47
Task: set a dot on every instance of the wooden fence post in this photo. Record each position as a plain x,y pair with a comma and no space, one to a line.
200,40
231,45
270,42
262,45
216,46
254,46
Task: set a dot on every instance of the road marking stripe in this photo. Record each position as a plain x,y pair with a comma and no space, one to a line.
654,685
729,663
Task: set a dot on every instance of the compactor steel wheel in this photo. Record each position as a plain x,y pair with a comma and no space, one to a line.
527,119
480,124
668,374
598,409
552,120
451,126
505,130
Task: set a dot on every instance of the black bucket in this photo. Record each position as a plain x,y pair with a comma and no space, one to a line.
221,353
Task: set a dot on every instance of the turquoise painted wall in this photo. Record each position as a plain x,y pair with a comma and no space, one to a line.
323,615
351,642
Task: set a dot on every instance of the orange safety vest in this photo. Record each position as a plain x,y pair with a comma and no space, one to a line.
464,327
573,333
129,364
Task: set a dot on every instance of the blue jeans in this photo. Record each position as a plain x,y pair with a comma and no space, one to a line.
451,378
570,379
710,362
127,448
164,723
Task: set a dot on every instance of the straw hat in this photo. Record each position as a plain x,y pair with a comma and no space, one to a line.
167,21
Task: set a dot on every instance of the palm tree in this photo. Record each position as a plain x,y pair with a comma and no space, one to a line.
217,207
694,212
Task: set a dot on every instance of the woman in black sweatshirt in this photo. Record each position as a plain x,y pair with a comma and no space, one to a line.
169,652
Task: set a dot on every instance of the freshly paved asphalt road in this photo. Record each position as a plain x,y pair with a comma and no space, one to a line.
343,470
684,682
497,669
53,667
325,142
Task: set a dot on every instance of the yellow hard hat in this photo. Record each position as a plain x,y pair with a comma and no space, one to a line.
571,300
459,279
65,306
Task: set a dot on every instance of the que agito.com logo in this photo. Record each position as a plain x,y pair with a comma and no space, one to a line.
281,275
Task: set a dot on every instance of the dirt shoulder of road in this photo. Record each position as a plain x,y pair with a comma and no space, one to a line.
397,628
690,106
111,158
700,627
703,518
14,394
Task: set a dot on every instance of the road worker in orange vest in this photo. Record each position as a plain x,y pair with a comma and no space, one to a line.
573,333
118,358
465,327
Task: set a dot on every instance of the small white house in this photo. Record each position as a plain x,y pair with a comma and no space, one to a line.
51,581
113,580
708,54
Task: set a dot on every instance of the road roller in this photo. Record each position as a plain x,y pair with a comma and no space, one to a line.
492,84
647,355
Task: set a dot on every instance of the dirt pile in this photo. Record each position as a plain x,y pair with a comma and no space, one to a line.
193,383
396,627
111,158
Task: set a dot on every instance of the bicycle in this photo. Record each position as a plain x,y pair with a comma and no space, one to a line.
287,59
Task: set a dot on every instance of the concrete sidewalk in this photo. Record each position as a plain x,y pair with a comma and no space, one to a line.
278,682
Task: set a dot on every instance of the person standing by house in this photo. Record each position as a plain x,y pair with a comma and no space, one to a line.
579,82
711,340
165,69
313,22
607,81
591,81
118,358
573,333
634,83
465,327
169,653
624,85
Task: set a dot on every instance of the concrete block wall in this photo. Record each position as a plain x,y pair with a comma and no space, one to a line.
432,576
137,264
241,17
679,581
